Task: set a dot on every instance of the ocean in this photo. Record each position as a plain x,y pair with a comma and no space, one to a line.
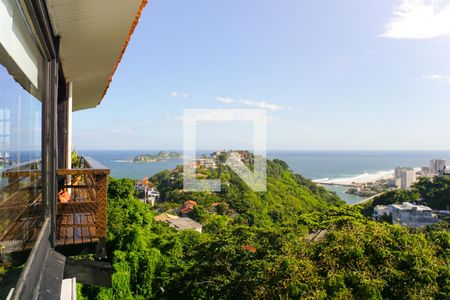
310,164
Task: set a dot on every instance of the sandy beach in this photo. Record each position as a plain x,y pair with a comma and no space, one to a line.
363,178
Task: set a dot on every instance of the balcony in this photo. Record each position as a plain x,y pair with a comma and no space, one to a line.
83,219
81,214
20,202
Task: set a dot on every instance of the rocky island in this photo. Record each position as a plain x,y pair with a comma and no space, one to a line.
150,158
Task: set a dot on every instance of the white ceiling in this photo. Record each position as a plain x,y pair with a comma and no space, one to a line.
93,34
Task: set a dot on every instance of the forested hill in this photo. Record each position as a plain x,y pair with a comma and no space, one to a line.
295,241
353,258
288,194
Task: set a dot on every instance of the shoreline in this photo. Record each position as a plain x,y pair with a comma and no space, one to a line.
365,200
341,192
336,184
357,180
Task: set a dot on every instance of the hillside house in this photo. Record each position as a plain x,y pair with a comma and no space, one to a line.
406,214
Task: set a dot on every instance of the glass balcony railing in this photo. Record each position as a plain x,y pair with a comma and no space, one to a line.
81,205
20,206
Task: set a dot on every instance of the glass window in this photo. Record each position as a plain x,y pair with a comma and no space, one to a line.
20,181
21,85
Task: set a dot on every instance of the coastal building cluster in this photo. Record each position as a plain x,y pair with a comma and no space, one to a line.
405,177
180,218
206,163
412,214
148,193
242,156
226,157
370,189
183,223
147,190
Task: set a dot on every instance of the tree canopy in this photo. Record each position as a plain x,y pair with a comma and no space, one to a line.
291,242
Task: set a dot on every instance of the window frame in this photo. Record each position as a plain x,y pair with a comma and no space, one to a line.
42,254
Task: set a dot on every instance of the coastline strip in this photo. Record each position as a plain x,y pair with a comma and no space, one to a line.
365,200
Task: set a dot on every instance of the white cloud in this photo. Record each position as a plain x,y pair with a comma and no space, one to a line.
225,99
261,104
419,19
436,77
180,95
252,103
370,51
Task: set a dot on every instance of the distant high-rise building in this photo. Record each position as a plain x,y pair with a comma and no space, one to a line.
398,171
437,166
398,175
407,178
425,171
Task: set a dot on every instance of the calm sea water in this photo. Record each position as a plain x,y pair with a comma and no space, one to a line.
310,164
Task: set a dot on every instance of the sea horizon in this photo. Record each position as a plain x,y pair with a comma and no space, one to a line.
274,150
313,165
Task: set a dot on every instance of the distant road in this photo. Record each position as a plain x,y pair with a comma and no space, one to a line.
363,201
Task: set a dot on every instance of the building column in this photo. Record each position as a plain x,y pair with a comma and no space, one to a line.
69,126
69,133
50,147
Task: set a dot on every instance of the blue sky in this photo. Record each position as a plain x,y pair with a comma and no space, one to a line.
335,75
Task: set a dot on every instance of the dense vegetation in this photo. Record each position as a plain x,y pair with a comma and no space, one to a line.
288,194
272,246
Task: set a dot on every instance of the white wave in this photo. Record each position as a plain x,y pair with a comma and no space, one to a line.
122,160
360,178
321,179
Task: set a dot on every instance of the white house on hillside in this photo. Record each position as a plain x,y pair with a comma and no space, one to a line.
406,214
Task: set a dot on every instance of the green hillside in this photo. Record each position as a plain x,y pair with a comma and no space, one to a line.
288,194
352,257
295,241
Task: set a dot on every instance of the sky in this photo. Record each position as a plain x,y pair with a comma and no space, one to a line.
332,75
